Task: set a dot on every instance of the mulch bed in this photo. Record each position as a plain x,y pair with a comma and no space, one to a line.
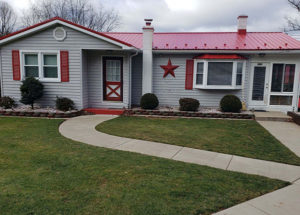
130,112
37,113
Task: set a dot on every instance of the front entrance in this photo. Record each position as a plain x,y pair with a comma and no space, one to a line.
113,78
259,86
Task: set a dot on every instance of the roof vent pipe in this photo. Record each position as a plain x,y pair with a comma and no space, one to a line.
242,24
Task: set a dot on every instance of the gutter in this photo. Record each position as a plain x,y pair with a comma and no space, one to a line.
292,51
130,75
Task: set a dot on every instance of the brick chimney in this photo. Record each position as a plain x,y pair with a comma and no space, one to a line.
148,31
242,24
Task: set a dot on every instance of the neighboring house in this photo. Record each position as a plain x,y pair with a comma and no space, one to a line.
113,70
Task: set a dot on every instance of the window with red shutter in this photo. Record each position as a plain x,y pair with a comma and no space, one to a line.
189,74
64,66
16,65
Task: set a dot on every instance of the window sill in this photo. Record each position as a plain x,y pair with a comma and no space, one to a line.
47,80
218,87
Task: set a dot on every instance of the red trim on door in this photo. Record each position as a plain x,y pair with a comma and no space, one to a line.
16,65
117,85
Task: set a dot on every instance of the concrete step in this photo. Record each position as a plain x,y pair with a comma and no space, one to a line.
272,116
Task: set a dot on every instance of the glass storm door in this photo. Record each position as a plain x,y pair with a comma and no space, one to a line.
259,85
113,78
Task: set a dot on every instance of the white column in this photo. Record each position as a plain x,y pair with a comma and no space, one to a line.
147,57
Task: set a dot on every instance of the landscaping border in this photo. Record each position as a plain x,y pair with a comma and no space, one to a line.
41,114
295,117
130,112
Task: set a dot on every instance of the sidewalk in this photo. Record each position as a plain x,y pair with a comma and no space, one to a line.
287,133
82,129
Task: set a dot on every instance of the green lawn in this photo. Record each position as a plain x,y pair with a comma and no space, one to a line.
42,172
239,137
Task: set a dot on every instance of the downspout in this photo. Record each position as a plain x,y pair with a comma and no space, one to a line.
1,75
298,94
130,76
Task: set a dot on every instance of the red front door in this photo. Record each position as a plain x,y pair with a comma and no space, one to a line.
113,78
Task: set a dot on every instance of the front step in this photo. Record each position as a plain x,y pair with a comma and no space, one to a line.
272,116
99,111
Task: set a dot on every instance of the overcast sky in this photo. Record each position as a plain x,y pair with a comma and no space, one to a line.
194,15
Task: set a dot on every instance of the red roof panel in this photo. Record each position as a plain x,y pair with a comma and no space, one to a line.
213,41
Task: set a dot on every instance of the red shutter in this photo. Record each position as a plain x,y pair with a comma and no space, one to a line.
16,65
189,74
64,66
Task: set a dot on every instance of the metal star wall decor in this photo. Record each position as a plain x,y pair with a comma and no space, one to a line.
169,69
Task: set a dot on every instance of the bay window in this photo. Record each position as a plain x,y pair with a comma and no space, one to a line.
212,74
41,65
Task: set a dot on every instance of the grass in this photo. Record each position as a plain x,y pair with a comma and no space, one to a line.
42,172
239,137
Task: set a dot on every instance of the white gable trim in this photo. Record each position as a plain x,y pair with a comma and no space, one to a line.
54,22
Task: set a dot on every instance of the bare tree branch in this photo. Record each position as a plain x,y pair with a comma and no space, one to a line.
8,19
82,12
293,23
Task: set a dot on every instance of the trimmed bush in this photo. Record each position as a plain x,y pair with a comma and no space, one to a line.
64,104
189,104
231,103
149,101
7,102
31,90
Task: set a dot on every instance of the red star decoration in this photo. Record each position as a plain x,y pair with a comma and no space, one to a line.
169,69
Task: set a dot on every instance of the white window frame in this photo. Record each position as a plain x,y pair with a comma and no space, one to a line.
41,64
282,93
216,87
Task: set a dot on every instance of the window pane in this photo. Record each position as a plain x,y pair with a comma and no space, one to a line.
199,75
31,71
281,100
258,87
50,72
289,74
50,60
239,78
220,73
277,78
113,70
239,73
239,68
31,59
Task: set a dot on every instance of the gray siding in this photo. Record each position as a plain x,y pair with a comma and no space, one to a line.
94,82
137,72
74,43
169,89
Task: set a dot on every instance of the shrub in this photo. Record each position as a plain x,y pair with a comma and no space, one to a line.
189,104
7,102
31,90
149,101
64,104
231,103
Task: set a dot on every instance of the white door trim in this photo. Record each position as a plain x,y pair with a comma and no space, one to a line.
260,105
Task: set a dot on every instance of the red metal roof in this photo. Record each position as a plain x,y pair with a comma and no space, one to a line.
213,41
194,41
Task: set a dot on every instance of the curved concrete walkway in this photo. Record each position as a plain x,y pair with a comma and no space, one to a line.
283,201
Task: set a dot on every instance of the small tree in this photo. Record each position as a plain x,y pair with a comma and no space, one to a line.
31,90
